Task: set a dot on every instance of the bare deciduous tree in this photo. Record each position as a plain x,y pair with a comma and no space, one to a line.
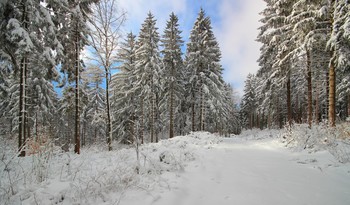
106,22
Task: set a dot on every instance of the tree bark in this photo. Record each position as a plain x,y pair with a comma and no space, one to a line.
77,94
201,111
171,123
327,94
348,105
331,99
317,104
22,108
22,95
109,123
193,116
309,89
141,122
289,103
152,117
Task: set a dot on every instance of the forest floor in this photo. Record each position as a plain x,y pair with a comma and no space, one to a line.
255,167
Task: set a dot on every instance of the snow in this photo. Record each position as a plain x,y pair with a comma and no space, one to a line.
255,167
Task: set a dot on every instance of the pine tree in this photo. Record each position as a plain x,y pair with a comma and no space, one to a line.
340,39
148,72
173,69
249,101
95,115
125,92
339,46
294,37
29,41
310,36
203,59
74,38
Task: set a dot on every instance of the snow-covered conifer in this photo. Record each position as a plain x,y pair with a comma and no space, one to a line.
149,73
125,98
203,59
173,69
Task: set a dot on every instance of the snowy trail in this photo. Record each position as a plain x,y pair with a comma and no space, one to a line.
258,172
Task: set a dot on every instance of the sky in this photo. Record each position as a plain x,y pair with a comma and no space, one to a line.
235,24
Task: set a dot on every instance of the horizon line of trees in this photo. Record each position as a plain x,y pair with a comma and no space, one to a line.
304,74
158,89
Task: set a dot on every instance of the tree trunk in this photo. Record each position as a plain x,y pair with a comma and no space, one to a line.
263,120
109,123
279,115
327,94
153,118
348,105
77,114
193,116
132,130
22,109
201,111
171,124
141,122
317,104
22,91
83,134
289,103
296,115
309,89
331,110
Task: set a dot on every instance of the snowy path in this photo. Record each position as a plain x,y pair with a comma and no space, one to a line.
257,172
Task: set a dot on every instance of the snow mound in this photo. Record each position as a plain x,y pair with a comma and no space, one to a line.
95,177
319,138
258,134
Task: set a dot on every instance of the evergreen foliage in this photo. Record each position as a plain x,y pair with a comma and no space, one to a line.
158,91
305,44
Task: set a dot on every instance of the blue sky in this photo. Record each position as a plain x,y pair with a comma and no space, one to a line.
235,24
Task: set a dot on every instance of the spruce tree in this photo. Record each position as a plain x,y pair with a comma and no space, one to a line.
29,42
125,92
148,73
74,38
173,69
203,59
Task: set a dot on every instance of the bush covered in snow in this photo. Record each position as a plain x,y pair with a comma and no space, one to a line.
320,137
56,177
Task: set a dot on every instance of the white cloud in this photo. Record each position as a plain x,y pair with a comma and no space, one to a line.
236,35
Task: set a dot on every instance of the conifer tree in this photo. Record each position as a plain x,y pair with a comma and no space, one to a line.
173,69
203,59
74,38
29,41
95,115
148,72
125,92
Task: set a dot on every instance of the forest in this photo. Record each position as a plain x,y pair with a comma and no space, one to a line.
304,74
128,89
93,114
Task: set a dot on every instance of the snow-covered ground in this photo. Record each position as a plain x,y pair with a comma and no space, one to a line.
200,168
